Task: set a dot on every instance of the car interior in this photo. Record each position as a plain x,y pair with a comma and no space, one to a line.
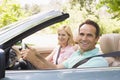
110,43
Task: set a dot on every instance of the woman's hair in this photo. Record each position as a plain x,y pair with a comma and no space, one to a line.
67,29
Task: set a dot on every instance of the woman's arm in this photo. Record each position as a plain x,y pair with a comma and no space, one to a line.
50,56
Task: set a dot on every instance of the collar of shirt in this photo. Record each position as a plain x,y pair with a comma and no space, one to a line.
90,53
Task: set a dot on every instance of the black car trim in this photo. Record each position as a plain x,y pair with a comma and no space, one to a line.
34,29
2,61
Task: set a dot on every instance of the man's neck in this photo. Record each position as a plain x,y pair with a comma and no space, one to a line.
81,51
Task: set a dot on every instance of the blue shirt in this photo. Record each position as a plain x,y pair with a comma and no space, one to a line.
93,62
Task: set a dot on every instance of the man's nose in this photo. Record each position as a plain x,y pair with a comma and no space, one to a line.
84,37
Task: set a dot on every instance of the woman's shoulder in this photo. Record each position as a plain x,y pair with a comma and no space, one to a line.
76,47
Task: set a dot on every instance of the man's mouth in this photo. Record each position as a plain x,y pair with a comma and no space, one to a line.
84,44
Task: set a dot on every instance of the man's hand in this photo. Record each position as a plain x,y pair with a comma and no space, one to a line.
29,54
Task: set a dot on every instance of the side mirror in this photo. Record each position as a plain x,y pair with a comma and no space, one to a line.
2,64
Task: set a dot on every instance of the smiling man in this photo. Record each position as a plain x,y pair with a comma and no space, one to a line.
88,35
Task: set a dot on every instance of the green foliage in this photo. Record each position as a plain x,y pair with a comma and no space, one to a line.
113,7
102,30
116,30
88,9
34,9
109,26
79,10
10,12
88,5
53,28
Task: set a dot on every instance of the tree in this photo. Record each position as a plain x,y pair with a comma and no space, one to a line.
81,10
88,5
113,7
32,9
10,12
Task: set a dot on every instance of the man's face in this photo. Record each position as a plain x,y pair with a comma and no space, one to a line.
87,37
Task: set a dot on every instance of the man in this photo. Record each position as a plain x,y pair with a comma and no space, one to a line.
88,35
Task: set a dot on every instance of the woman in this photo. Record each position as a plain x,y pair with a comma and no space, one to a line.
66,46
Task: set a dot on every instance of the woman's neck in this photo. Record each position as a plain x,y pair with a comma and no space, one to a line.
63,45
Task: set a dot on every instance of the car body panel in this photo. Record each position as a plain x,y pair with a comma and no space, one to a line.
65,74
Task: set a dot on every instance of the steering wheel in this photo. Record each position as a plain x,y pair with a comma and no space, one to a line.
16,63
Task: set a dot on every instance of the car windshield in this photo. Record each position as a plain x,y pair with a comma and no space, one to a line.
9,27
23,25
20,22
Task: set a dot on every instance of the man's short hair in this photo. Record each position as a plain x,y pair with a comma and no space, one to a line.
94,24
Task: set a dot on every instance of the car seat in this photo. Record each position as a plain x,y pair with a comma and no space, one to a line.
110,43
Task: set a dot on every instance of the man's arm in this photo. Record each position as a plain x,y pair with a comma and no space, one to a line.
38,61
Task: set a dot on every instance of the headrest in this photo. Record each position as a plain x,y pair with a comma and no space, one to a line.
110,42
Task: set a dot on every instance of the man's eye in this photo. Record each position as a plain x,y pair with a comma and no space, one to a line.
90,35
81,34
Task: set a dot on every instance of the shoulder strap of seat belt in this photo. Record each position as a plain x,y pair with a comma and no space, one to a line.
58,54
111,54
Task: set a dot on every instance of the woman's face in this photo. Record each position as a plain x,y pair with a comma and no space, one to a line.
63,37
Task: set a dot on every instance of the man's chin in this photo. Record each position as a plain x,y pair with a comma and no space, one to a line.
84,49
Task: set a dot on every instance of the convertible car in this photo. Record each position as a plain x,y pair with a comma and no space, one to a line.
13,34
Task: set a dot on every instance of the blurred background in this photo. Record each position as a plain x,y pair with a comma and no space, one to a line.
105,12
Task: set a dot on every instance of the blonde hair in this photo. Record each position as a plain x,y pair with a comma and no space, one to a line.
67,29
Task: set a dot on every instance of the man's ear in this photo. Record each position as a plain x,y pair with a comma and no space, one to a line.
97,38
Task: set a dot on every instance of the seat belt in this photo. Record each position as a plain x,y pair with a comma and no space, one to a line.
58,54
111,54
